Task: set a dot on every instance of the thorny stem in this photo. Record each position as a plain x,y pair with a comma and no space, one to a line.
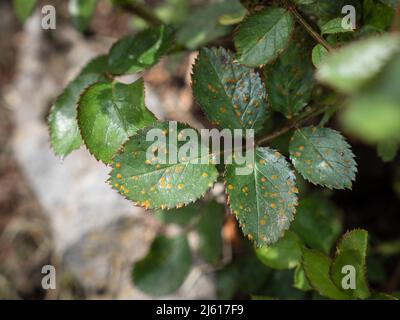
306,25
141,10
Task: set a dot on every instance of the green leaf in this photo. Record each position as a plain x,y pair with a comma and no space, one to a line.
108,113
209,230
317,223
233,96
179,216
319,53
81,12
264,201
352,66
262,36
203,26
152,184
334,26
352,250
24,8
387,150
284,254
316,266
63,124
141,51
165,267
300,279
289,81
323,157
378,15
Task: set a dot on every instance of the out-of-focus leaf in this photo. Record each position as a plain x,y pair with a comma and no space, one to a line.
153,183
317,268
262,36
165,267
284,254
180,216
377,15
63,124
300,279
317,223
289,81
203,25
352,66
141,51
24,8
319,53
334,26
109,113
209,230
323,157
81,12
352,251
233,96
264,201
387,150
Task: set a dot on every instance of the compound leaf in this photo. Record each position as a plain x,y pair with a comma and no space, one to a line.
323,157
141,51
165,267
110,112
154,182
263,35
63,124
263,201
232,95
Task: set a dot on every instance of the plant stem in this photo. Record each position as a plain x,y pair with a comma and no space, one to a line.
292,124
306,25
141,10
396,20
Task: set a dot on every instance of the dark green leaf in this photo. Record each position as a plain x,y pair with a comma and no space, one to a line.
262,36
165,267
387,150
317,223
24,8
181,216
203,26
289,81
316,266
264,201
81,12
378,15
209,230
108,113
334,26
64,131
152,184
352,251
232,95
284,254
323,157
139,52
352,66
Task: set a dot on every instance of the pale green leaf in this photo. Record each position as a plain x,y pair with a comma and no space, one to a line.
323,157
334,26
319,53
231,95
165,267
284,254
352,66
153,183
262,36
263,201
109,113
